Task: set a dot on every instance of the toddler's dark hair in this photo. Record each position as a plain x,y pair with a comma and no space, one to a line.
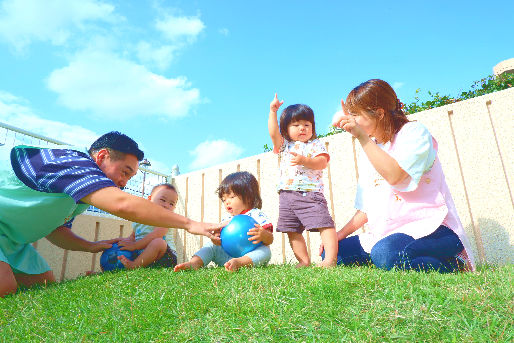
294,113
118,142
244,185
165,185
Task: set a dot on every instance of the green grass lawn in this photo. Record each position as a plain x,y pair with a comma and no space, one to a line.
277,303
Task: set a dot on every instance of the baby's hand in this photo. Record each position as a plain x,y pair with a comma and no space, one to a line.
127,245
275,104
216,240
256,233
297,159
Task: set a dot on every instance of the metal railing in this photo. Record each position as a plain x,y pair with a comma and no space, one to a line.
140,185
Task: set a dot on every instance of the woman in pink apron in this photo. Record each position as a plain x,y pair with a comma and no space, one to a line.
402,193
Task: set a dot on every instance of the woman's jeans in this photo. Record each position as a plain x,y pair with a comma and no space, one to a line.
436,251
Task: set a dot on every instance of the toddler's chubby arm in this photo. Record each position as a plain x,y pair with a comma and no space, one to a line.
273,127
158,232
317,163
259,234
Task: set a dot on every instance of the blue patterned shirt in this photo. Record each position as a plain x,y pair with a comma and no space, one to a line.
53,170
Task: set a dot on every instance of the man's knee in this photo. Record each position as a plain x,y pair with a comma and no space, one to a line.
8,287
8,283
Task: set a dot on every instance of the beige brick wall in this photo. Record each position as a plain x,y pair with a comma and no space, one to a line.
476,148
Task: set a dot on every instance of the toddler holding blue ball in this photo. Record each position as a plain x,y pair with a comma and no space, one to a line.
240,194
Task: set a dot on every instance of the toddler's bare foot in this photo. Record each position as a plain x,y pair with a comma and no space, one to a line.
183,266
233,265
127,263
302,264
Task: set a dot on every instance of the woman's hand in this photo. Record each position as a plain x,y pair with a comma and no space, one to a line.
336,120
275,104
347,122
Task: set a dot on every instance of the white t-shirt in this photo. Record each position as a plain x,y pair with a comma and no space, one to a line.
141,230
260,217
299,177
414,152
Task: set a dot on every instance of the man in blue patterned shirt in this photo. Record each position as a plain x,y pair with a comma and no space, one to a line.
45,188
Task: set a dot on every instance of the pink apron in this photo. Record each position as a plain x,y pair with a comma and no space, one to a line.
416,213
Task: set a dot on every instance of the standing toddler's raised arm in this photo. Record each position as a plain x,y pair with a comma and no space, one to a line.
273,128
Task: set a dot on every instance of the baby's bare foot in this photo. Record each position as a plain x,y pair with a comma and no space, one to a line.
233,265
126,262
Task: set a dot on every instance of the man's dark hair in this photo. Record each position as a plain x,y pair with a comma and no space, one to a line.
117,141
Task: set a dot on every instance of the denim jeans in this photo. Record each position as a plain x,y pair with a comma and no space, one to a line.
436,251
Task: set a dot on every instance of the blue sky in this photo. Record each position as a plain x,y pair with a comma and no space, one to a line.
191,81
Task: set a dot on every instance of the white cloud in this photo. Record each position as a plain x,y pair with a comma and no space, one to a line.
109,86
214,152
175,28
161,57
16,112
397,85
24,21
224,31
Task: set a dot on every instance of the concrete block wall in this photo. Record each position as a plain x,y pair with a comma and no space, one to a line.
476,149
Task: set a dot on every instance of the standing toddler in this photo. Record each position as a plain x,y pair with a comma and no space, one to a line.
302,205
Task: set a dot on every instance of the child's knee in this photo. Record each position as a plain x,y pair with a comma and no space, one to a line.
260,256
159,243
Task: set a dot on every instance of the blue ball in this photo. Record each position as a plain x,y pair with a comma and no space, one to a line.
109,259
234,236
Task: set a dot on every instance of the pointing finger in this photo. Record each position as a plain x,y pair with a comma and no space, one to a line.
343,107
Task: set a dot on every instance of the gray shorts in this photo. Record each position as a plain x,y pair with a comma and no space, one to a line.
299,211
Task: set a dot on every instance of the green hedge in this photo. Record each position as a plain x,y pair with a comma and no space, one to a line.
487,85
